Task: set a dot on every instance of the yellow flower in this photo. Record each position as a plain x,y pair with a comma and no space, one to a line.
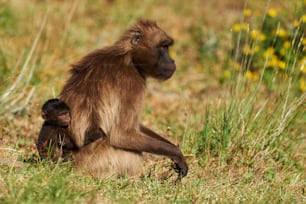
269,52
272,13
303,41
245,26
304,18
247,12
302,83
247,50
226,74
281,32
302,63
262,37
283,52
254,34
256,48
235,65
257,35
273,61
286,44
281,64
251,75
303,69
236,27
295,23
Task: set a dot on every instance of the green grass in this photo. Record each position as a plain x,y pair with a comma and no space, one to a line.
244,141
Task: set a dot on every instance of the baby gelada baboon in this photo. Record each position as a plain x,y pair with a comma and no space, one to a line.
54,141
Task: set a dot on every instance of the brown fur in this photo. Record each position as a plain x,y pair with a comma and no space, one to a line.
53,141
105,93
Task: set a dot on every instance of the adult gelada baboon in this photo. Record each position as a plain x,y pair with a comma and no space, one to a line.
105,94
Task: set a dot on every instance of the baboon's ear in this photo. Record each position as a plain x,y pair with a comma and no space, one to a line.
136,38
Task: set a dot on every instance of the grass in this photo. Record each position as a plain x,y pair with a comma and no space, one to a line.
244,142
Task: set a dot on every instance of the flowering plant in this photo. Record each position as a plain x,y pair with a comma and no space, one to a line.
277,48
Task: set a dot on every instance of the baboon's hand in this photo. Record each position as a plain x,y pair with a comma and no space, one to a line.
181,168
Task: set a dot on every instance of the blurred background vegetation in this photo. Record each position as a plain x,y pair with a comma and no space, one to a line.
236,104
